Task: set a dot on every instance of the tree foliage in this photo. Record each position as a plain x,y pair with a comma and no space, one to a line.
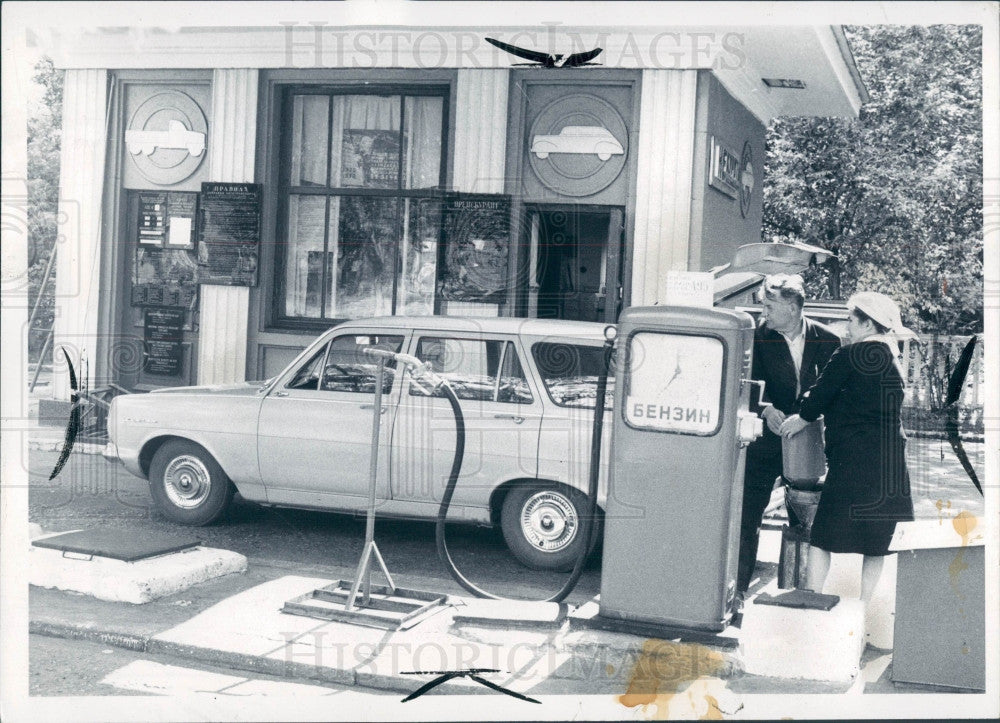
897,193
44,135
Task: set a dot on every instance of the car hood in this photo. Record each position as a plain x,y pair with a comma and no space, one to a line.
243,389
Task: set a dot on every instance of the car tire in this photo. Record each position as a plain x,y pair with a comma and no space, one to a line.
534,520
187,484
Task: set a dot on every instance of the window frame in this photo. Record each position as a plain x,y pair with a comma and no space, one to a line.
390,365
507,345
285,93
609,393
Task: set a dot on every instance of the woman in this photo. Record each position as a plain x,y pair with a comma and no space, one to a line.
867,488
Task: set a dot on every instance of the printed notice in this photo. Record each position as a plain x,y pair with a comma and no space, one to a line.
229,241
162,339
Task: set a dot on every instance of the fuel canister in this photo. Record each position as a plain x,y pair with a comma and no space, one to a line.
802,457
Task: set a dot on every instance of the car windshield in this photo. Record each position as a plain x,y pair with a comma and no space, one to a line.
570,373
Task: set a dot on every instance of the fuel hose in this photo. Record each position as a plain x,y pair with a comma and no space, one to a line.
587,527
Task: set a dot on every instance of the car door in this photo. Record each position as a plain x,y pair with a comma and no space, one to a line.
314,434
568,370
502,413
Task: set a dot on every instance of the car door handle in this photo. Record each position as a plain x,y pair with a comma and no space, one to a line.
372,406
281,394
517,419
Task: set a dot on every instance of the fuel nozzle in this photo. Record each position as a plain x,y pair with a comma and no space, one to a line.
425,380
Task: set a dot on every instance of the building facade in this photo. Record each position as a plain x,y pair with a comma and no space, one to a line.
230,193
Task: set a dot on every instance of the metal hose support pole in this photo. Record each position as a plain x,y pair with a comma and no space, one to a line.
587,527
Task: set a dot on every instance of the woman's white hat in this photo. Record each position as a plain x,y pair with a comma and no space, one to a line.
882,309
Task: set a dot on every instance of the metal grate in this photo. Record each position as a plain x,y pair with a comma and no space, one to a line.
385,608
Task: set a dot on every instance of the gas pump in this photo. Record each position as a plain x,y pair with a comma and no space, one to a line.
681,423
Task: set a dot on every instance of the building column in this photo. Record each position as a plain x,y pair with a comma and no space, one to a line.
78,243
664,180
225,310
480,148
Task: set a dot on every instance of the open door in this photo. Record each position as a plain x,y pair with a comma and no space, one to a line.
574,266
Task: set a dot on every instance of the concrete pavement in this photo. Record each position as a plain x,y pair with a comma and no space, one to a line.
235,622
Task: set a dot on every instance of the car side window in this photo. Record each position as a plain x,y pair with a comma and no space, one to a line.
350,369
570,371
513,387
307,377
469,365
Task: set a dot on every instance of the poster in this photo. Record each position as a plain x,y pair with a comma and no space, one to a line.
162,335
477,240
164,277
229,232
370,159
181,213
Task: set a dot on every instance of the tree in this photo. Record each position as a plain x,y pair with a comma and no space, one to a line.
897,193
44,135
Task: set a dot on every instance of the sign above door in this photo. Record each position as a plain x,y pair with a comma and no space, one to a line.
578,145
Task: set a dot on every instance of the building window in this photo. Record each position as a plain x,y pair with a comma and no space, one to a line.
361,178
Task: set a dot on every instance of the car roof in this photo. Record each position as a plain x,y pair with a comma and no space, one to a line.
486,324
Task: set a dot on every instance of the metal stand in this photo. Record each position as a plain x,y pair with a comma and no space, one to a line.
364,572
381,606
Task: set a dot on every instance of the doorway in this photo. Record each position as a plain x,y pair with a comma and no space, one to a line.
574,269
157,342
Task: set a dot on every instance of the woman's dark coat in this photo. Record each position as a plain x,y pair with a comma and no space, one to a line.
867,488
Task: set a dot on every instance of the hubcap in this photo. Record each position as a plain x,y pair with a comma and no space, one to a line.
187,481
549,521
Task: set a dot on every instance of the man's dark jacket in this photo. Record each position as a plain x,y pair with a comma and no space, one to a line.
772,363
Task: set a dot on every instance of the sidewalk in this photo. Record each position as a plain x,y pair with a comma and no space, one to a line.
236,622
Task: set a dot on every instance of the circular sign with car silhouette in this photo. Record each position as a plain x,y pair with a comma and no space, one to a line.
166,137
577,145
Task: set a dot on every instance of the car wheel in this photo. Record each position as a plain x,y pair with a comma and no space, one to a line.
187,484
542,525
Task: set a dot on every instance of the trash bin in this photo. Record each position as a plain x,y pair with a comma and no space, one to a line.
940,630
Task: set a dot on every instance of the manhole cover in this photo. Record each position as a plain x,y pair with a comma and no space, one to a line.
118,544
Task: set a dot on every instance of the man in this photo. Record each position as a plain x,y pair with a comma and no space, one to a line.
789,352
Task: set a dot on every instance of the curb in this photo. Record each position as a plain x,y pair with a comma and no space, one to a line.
136,643
240,661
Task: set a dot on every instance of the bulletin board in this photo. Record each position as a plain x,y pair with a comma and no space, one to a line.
229,233
164,264
476,235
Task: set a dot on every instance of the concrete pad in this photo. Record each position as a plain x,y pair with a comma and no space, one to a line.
844,579
249,631
133,582
588,616
250,623
511,613
810,644
769,548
